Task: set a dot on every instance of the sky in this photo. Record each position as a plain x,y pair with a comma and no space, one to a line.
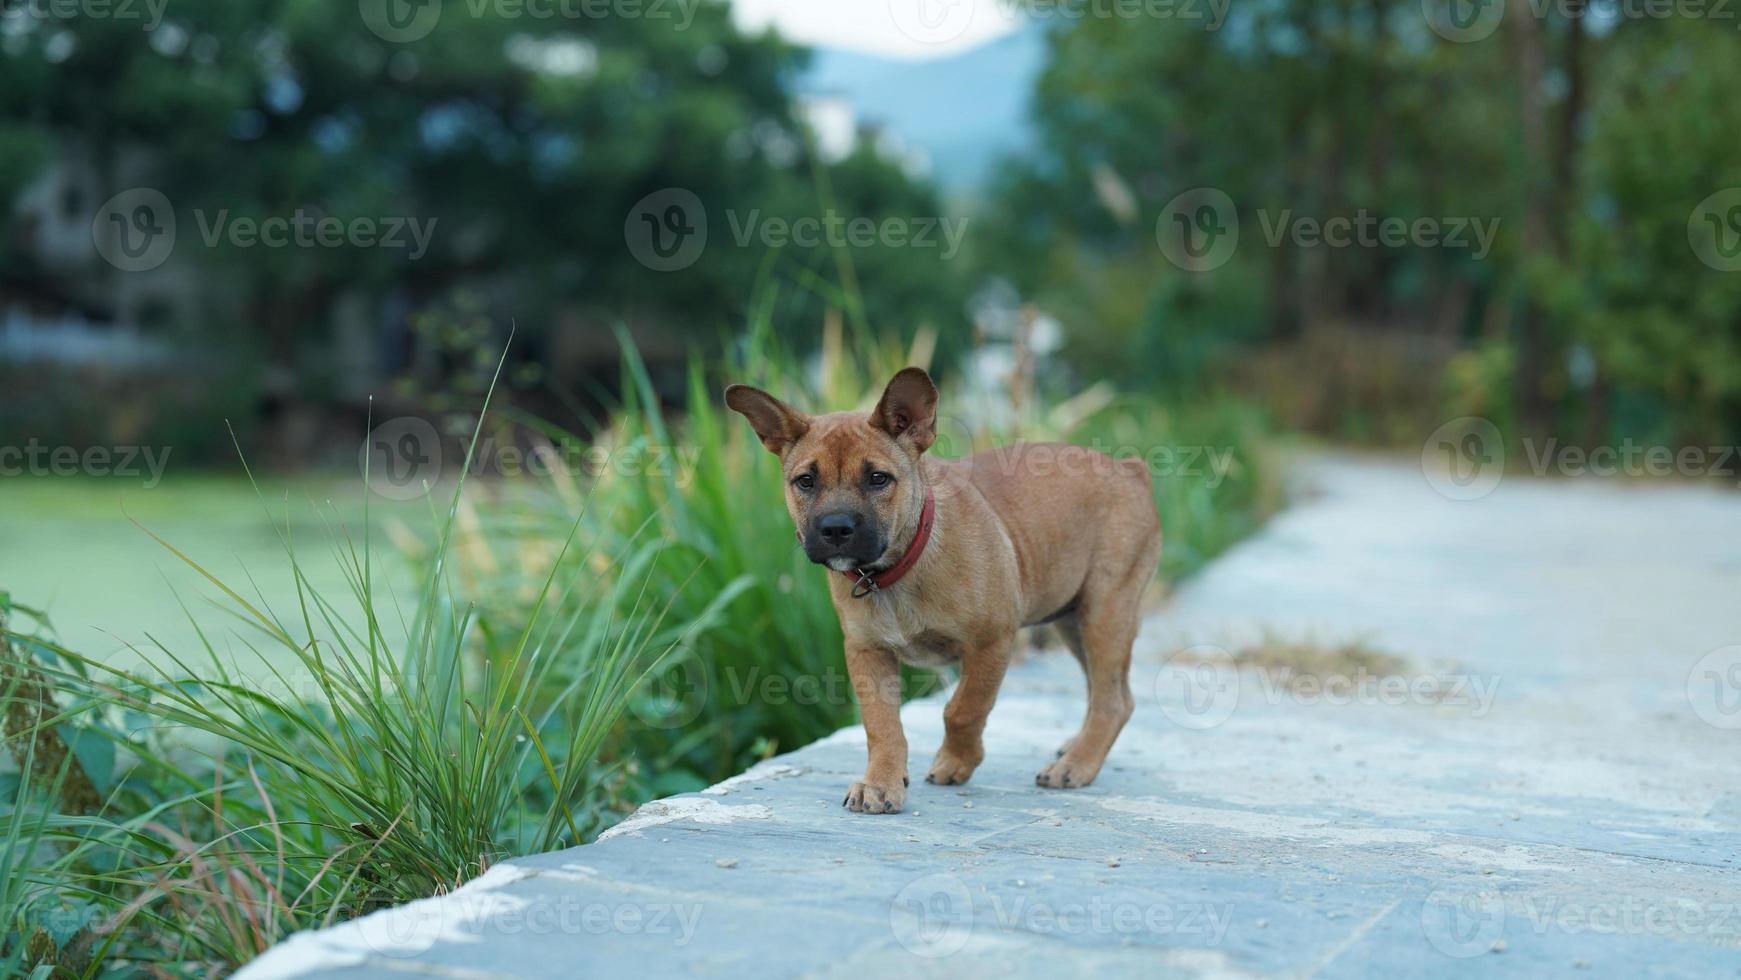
916,29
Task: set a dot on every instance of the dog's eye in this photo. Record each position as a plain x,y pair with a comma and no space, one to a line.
805,482
880,479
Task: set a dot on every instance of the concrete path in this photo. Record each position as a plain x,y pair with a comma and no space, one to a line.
1553,786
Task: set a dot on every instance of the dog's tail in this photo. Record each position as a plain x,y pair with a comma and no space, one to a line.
1135,466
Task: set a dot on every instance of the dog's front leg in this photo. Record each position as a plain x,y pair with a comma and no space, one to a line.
876,680
964,717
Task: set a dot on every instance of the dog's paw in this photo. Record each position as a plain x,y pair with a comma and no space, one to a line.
949,769
1067,773
865,797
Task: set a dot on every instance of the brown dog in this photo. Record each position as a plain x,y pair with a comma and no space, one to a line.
941,561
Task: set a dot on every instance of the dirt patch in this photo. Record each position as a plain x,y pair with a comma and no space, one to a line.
1310,658
1309,663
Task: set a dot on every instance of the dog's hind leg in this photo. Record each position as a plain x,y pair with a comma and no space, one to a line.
1106,637
1101,633
1070,631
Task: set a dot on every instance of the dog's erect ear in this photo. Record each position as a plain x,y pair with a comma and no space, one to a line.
778,424
908,410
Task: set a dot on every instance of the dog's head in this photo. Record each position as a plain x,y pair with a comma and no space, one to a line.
853,484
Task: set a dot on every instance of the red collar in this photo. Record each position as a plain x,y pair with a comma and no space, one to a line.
864,583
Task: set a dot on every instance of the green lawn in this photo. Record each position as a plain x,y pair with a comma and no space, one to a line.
67,546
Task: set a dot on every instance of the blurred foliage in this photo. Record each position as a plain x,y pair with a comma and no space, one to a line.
527,140
1590,134
1590,137
1664,326
180,817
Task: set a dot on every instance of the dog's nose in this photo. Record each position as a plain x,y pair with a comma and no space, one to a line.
837,529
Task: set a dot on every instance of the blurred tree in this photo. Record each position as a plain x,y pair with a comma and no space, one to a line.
528,140
1293,109
1582,136
1663,325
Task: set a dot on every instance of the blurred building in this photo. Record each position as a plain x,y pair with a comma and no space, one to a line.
62,303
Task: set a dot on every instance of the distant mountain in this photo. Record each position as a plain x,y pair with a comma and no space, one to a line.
964,111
